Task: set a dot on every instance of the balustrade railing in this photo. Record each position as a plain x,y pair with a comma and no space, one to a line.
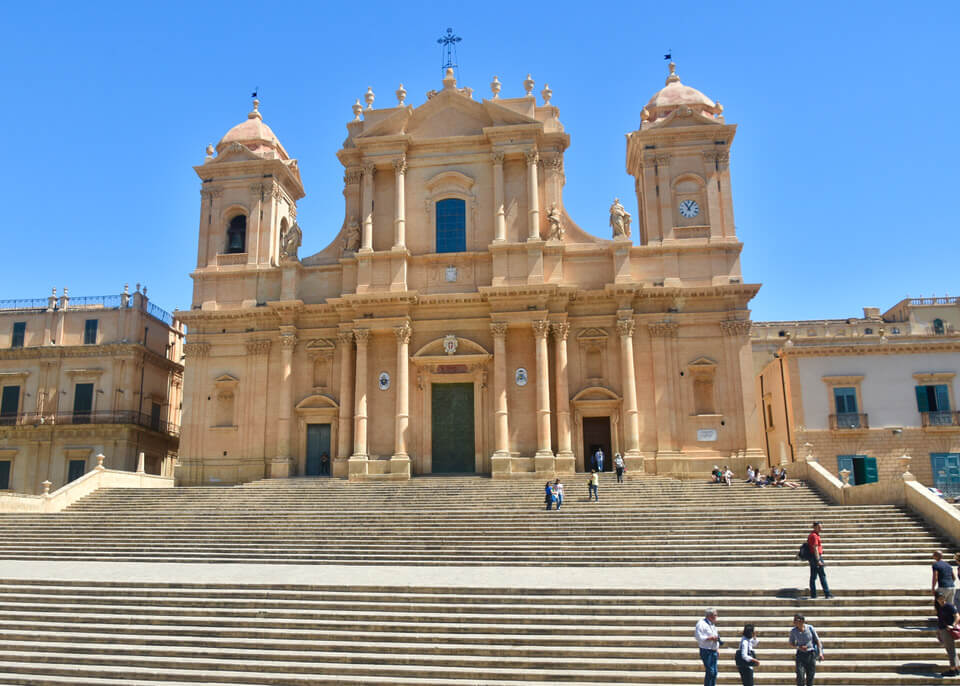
849,420
160,314
24,304
99,417
940,418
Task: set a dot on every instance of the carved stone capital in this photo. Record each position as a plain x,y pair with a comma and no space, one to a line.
541,328
345,337
496,157
400,164
662,159
362,336
196,349
553,162
498,329
736,327
293,211
352,176
258,346
369,168
625,327
719,158
403,333
288,340
663,329
532,157
560,330
276,192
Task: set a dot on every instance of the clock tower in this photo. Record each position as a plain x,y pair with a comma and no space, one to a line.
679,158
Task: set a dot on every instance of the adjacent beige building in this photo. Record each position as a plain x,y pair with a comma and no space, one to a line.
461,321
858,393
82,376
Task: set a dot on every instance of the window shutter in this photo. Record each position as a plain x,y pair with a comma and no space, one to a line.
870,467
943,397
923,404
844,462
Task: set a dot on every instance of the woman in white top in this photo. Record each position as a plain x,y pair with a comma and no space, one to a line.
746,657
618,463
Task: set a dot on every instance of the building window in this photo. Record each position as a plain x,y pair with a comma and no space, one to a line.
4,475
82,403
90,332
451,225
19,333
863,469
868,332
237,234
76,469
933,402
155,409
845,404
895,330
9,405
938,328
770,416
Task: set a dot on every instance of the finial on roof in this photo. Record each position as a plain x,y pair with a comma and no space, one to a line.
546,93
673,78
209,152
255,113
449,80
401,95
528,85
54,290
495,87
357,110
368,98
126,289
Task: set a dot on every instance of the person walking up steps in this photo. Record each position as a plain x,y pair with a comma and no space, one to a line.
593,486
815,559
942,583
746,658
618,463
947,619
558,489
708,640
804,638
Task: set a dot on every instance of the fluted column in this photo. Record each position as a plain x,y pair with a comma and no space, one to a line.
288,341
540,331
362,337
345,428
499,213
564,438
533,196
400,220
369,169
403,391
632,427
501,434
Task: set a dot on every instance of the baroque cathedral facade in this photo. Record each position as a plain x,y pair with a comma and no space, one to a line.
461,321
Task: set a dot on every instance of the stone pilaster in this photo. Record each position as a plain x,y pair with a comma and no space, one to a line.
288,342
565,457
631,427
400,218
663,336
499,212
369,169
544,458
736,338
533,196
500,460
400,462
345,430
358,461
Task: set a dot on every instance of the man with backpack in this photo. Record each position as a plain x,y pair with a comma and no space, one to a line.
804,638
815,560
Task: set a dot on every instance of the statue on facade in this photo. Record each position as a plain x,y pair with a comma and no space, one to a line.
556,223
352,242
619,219
290,242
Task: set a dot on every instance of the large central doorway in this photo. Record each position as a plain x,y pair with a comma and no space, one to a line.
318,445
452,443
596,434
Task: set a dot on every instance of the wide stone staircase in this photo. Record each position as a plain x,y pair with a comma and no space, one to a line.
647,521
140,634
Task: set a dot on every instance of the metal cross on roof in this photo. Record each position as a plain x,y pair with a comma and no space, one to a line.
448,50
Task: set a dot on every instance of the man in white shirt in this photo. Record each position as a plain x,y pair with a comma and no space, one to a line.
708,640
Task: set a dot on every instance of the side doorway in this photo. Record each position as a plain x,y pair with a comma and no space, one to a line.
596,435
946,472
318,450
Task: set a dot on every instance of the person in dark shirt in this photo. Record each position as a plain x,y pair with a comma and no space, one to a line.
942,582
947,619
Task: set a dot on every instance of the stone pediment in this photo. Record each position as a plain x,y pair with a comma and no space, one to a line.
592,333
392,125
594,393
439,347
684,116
448,114
235,152
317,401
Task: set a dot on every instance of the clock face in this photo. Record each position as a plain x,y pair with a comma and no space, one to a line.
689,209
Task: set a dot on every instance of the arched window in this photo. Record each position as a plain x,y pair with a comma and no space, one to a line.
451,225
237,234
938,327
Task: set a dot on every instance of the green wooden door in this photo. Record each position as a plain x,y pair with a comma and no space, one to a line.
453,442
318,444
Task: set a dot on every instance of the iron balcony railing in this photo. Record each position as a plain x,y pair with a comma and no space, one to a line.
100,417
849,420
160,313
940,418
24,304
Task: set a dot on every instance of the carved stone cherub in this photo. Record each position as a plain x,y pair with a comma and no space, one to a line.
619,219
352,242
556,223
290,242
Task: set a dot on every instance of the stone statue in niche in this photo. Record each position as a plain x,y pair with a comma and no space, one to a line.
556,224
290,242
352,242
619,219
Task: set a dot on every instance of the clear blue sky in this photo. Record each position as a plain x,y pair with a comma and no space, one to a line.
845,166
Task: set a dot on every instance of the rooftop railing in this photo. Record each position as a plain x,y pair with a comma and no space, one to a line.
943,300
160,314
24,304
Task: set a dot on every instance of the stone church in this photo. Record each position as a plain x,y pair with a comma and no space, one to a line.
461,321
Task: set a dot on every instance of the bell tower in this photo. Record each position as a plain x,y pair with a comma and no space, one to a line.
249,195
679,158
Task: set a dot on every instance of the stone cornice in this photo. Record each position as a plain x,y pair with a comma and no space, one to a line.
54,352
872,348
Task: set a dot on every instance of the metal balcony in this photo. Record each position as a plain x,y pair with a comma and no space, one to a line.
848,420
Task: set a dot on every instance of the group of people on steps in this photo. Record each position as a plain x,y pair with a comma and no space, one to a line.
553,490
